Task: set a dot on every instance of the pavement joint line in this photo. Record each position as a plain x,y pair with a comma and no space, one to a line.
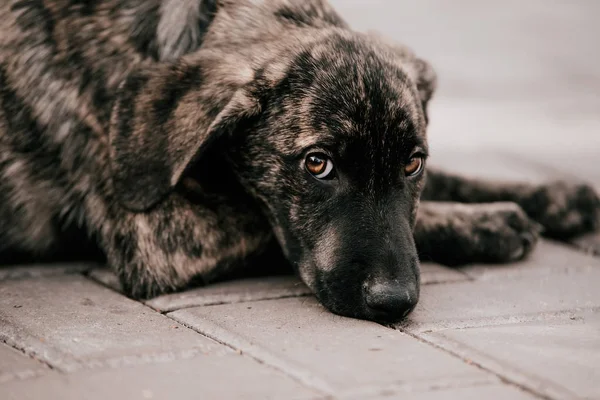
221,303
454,269
263,356
418,387
322,388
33,355
496,321
109,362
4,277
306,378
141,358
87,275
503,379
507,371
442,282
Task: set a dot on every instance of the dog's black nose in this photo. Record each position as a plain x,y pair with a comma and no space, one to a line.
391,301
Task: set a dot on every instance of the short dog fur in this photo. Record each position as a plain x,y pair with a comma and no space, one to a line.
173,136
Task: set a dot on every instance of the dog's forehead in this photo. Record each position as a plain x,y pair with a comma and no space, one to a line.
345,91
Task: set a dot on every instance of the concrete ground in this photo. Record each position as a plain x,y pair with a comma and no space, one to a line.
518,100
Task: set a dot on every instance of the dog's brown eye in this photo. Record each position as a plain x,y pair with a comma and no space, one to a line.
414,166
319,165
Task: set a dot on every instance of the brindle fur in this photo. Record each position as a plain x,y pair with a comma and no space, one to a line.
170,134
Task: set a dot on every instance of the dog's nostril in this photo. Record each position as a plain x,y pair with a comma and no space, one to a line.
391,301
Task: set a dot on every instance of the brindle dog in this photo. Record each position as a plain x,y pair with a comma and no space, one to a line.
186,137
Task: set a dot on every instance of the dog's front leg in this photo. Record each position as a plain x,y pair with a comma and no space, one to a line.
457,234
563,209
180,243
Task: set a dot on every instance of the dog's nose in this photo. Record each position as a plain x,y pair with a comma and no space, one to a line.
391,301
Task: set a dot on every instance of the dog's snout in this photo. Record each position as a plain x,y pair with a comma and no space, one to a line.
391,301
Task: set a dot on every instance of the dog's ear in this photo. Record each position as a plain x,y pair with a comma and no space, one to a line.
165,116
425,78
419,70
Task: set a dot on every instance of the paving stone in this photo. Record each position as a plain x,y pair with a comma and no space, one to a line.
254,289
548,257
205,377
467,304
237,291
106,277
487,392
71,322
267,288
434,274
41,270
338,355
560,359
16,365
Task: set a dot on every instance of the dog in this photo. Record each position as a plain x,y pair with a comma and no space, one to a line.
182,139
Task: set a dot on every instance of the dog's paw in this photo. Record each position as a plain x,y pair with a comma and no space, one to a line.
488,233
564,210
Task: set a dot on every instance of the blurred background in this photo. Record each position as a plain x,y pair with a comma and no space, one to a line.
517,78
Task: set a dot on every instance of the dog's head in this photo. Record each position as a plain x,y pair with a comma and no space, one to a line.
330,140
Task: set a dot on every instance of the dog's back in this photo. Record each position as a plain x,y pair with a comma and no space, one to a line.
61,62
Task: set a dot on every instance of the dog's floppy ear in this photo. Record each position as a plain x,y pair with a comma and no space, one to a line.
425,78
165,116
419,70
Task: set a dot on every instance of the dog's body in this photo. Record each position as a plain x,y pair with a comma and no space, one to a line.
107,109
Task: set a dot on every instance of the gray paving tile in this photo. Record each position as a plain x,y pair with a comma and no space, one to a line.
71,322
233,292
41,270
268,288
203,377
547,258
492,302
254,289
16,365
106,277
433,274
560,359
487,392
338,355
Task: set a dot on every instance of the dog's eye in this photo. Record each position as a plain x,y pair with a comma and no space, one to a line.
320,166
414,166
